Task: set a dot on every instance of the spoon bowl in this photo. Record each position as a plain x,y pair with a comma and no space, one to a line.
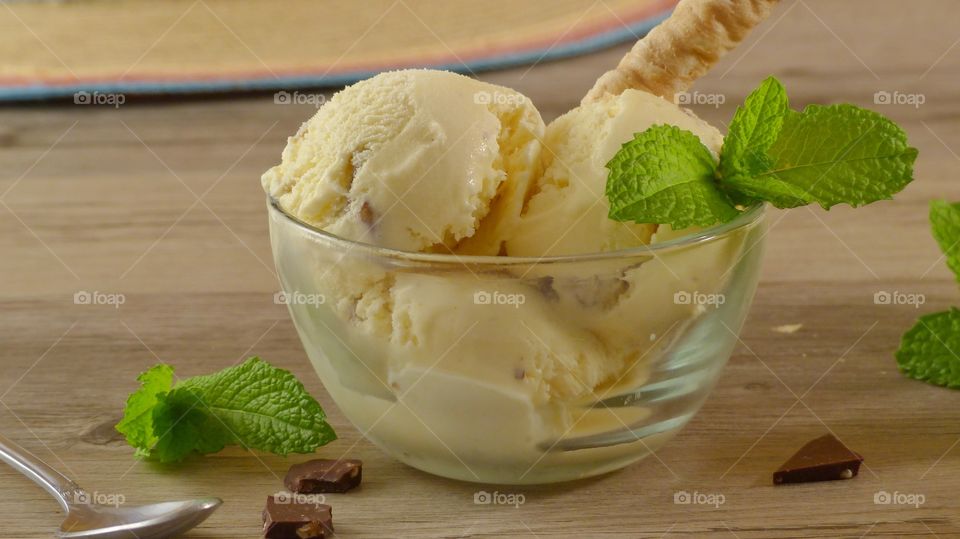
154,521
90,520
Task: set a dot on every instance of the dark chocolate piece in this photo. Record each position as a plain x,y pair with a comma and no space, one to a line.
545,286
324,475
366,214
285,518
823,459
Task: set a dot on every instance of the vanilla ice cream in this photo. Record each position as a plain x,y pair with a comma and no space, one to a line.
413,160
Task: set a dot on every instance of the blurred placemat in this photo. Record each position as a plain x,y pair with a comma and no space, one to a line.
54,49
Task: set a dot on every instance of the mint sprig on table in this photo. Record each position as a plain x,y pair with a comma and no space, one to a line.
252,404
828,155
930,350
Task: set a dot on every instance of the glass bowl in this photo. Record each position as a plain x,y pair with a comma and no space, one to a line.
519,370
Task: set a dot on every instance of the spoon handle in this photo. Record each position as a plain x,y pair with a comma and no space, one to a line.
58,485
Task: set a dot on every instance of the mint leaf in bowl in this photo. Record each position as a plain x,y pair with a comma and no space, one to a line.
829,155
666,171
755,127
836,154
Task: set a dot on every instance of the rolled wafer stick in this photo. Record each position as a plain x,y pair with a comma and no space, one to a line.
683,47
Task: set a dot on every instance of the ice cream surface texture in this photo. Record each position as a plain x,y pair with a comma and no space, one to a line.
568,212
413,160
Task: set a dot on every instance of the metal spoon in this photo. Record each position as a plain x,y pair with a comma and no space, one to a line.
89,520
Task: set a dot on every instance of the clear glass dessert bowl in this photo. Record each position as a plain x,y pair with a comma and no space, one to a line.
519,370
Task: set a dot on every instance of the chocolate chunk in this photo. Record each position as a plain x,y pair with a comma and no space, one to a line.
324,475
287,518
545,287
823,459
366,214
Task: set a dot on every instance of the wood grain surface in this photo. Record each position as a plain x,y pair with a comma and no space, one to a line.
161,202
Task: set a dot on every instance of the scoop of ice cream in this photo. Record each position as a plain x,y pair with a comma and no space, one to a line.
568,211
414,160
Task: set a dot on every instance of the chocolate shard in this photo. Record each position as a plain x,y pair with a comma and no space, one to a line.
286,518
324,475
823,459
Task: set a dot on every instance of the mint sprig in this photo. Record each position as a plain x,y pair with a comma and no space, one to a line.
930,350
828,155
252,404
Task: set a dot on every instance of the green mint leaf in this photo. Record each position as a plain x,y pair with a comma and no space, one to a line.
266,408
836,154
929,350
184,427
945,223
666,175
754,128
769,189
137,422
252,404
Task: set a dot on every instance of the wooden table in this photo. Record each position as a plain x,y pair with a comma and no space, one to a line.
161,202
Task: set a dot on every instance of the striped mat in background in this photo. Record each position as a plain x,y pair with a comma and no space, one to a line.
54,49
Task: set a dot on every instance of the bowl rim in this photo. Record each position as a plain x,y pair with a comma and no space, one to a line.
748,217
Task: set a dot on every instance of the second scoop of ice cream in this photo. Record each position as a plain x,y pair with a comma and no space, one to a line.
568,212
